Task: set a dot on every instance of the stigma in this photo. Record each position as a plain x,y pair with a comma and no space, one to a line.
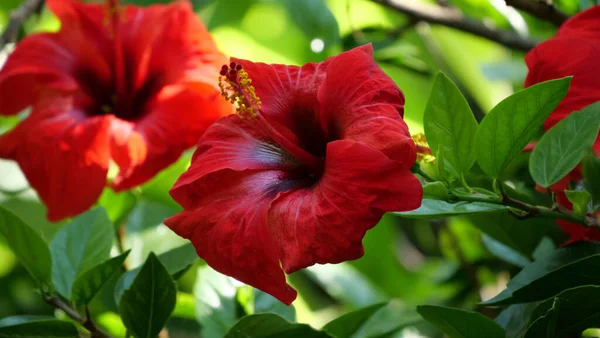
236,87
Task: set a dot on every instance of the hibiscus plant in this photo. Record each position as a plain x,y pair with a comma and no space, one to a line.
299,168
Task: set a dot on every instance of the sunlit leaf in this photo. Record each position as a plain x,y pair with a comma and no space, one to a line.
507,128
79,246
438,209
28,247
458,323
450,125
562,147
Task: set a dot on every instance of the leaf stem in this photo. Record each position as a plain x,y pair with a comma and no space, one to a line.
530,211
416,169
73,314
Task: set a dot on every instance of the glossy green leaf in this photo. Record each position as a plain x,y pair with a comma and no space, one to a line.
458,323
565,268
264,302
216,305
315,20
80,245
569,313
29,248
91,281
437,209
580,200
450,125
504,252
509,126
176,261
270,326
516,318
47,328
544,326
379,320
523,236
562,147
148,303
435,191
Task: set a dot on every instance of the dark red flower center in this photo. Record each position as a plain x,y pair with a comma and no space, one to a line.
119,96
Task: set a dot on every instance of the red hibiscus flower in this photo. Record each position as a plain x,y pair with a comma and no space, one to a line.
314,158
132,85
575,50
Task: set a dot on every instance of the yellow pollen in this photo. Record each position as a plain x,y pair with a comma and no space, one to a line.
423,151
236,87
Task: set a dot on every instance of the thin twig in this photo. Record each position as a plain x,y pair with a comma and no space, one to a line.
540,9
16,19
454,18
85,322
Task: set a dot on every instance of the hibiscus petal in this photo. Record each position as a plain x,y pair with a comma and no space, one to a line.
64,156
192,54
228,227
326,223
174,121
361,103
289,100
578,58
585,24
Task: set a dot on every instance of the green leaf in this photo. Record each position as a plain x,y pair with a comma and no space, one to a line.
315,20
176,261
570,312
90,282
379,320
591,174
509,126
29,248
516,318
544,326
270,326
435,191
580,200
521,235
565,268
562,147
450,125
216,305
47,328
438,209
264,302
148,303
458,323
80,245
504,252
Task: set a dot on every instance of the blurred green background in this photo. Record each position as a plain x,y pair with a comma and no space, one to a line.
414,262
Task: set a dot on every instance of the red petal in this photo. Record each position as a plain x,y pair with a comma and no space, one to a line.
585,24
578,232
236,242
84,19
174,122
290,105
560,57
150,31
63,155
326,223
362,104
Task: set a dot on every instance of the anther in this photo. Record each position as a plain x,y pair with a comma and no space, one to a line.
236,88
